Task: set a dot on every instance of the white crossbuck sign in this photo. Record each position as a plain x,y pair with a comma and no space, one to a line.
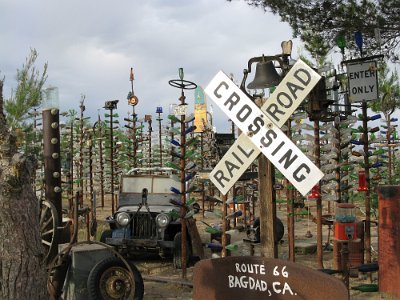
261,129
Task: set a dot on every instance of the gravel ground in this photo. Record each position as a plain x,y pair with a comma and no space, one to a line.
162,281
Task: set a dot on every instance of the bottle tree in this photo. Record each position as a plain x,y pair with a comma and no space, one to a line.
186,169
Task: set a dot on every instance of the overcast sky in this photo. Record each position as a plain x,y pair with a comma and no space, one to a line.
90,47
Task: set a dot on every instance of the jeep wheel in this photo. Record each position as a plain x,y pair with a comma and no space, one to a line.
105,234
110,279
280,229
177,252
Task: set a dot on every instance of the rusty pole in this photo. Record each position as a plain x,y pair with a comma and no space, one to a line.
159,111
111,137
71,169
367,238
51,153
318,200
80,182
337,171
290,210
101,162
52,164
389,150
150,131
183,188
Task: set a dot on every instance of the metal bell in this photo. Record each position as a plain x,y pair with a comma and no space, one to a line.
266,76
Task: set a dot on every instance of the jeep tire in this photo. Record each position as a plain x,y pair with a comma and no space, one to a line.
177,251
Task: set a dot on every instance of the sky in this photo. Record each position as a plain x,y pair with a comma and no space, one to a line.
90,47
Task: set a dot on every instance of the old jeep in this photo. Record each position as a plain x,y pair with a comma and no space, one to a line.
147,222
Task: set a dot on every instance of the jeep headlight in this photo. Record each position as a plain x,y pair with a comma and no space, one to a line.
162,220
122,219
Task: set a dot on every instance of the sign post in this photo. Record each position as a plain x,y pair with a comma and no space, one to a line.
363,81
261,132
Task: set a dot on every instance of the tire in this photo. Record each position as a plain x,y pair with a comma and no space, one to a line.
280,229
177,251
110,279
105,234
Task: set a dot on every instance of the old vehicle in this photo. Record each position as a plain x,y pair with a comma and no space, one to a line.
146,221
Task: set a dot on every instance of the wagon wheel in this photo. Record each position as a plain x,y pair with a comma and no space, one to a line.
49,222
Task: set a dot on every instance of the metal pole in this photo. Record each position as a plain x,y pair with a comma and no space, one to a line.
52,165
159,137
183,189
224,225
290,210
150,130
80,182
367,240
112,159
101,162
135,143
318,200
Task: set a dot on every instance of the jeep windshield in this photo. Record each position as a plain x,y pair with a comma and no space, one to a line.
158,188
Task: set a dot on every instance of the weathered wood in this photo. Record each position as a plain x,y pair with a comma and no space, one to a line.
269,248
22,272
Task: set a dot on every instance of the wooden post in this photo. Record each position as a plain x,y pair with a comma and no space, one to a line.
267,208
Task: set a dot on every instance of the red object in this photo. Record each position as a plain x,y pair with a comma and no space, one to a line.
314,192
345,231
362,181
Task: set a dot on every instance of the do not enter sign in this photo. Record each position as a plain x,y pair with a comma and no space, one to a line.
261,131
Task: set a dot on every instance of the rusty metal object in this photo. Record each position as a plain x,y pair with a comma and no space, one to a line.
318,200
183,85
245,277
101,162
52,161
111,105
389,242
367,238
290,209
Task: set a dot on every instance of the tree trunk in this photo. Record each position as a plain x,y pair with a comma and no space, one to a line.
22,270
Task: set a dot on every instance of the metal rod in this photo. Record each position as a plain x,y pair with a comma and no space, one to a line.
159,137
367,241
183,189
101,162
290,210
318,200
112,159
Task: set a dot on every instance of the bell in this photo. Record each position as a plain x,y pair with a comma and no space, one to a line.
266,76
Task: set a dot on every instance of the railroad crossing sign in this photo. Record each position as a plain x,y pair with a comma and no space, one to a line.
261,129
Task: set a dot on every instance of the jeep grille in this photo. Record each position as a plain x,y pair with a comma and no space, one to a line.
144,226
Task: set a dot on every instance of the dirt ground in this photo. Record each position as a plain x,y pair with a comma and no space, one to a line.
162,281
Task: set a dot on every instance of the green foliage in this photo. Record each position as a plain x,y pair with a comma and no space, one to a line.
327,19
27,94
389,91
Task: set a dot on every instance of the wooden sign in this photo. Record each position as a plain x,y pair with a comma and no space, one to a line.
252,277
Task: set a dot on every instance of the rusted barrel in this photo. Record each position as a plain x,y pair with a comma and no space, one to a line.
389,242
